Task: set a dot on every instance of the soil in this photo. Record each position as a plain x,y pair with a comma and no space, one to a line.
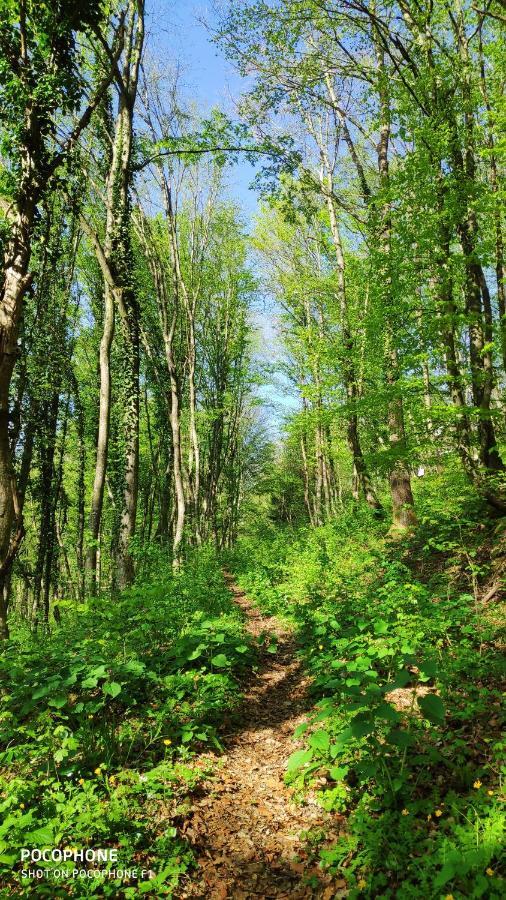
245,826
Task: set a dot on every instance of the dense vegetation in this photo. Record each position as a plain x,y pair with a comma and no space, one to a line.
138,454
405,736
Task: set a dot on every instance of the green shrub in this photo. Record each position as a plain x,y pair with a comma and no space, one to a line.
97,716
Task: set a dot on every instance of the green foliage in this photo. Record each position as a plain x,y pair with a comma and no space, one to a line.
98,717
50,79
405,670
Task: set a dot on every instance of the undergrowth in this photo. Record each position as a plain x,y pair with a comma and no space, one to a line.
100,720
406,664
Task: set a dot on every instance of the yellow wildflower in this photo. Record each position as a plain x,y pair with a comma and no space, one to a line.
405,812
477,784
489,871
81,781
362,884
449,897
98,771
438,813
490,793
167,742
21,805
320,647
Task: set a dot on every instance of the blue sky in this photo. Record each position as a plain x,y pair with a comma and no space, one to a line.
176,29
177,33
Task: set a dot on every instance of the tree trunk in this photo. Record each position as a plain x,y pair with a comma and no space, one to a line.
115,261
104,417
15,283
125,564
348,365
403,507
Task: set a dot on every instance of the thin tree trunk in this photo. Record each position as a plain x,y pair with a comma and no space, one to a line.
403,508
305,473
16,279
115,261
500,267
168,323
349,375
104,417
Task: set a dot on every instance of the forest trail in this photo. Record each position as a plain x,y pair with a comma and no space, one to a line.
244,825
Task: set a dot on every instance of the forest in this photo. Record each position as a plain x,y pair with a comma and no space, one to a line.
252,449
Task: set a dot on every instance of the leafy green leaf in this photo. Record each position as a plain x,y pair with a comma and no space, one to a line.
298,759
112,688
432,707
220,661
320,740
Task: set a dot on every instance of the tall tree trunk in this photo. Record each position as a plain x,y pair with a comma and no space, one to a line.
500,267
348,364
447,317
131,361
168,323
115,261
47,499
102,452
305,473
16,279
180,291
403,507
476,292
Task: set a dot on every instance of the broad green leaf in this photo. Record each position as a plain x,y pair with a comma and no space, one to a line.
361,727
112,688
337,773
400,738
429,667
220,661
298,759
432,707
320,740
58,702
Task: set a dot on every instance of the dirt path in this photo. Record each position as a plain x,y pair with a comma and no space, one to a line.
244,826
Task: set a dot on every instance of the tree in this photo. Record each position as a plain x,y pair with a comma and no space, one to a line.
42,79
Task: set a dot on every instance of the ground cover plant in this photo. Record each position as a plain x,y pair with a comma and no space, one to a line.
253,447
407,664
100,722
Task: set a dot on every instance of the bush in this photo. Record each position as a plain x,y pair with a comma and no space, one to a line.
406,668
99,716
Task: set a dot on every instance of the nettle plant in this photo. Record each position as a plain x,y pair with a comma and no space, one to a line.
370,672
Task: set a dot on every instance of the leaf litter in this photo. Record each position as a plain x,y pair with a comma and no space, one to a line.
245,828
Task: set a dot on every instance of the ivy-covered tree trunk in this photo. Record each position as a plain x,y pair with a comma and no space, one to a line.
102,448
16,279
115,260
131,362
